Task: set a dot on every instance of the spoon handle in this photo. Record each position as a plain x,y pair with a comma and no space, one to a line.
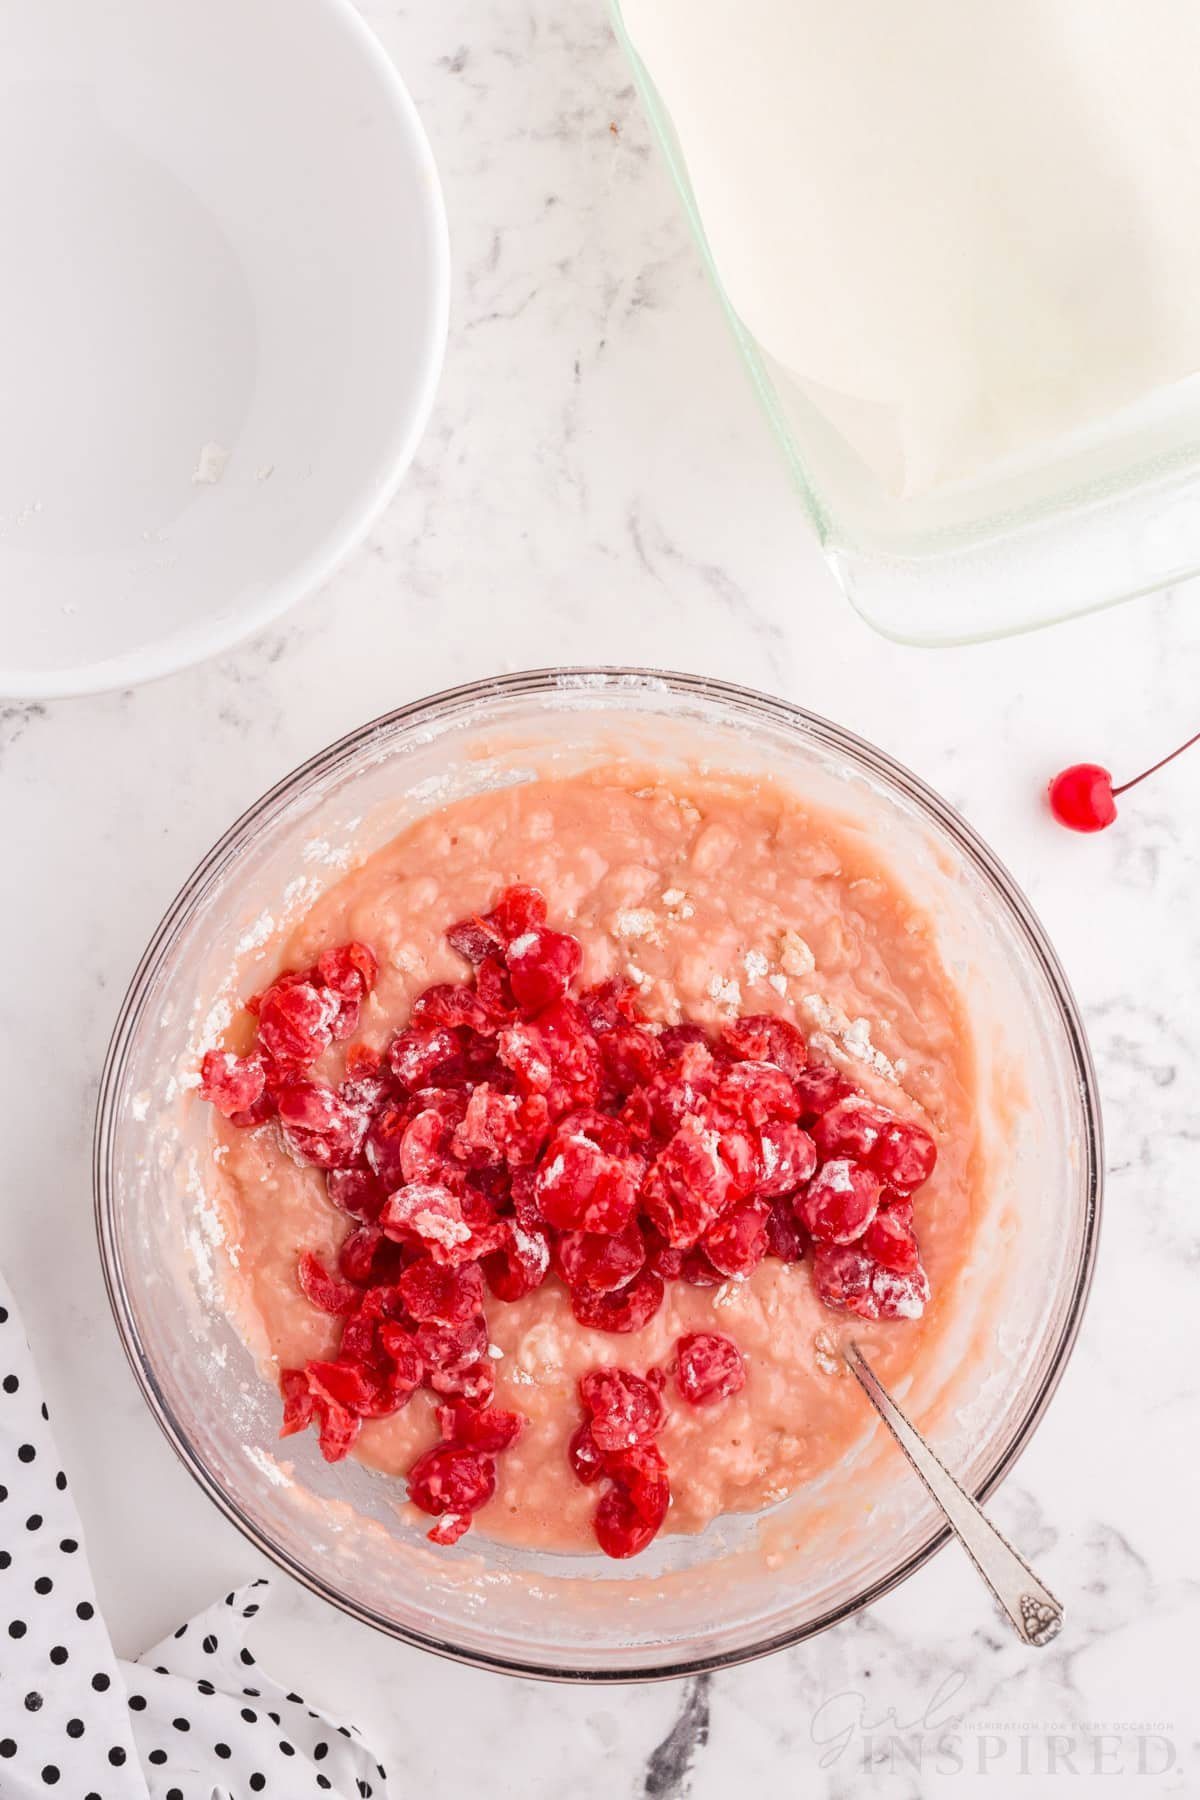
1030,1605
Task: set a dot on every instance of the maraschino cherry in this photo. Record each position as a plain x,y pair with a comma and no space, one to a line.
1084,799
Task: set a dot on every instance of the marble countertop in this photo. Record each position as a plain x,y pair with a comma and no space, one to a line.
597,485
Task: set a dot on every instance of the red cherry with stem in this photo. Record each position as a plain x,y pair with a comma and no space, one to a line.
1084,799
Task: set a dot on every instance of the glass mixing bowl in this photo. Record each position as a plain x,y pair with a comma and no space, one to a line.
689,1603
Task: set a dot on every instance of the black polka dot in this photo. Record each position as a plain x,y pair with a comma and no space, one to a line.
116,1756
17,1629
181,1631
58,1655
223,1751
158,1669
75,1728
68,1545
205,1687
274,1718
157,1757
248,1612
296,1699
5,1559
286,1749
250,1716
11,1384
50,1775
182,1724
60,1482
320,1752
85,1610
323,1781
34,1522
365,1789
43,1585
345,1730
7,1747
209,1644
33,1702
45,1414
137,1702
3,1491
26,1453
101,1683
252,1693
257,1782
245,1656
174,1794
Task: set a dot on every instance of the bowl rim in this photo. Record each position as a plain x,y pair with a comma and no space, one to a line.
435,707
211,637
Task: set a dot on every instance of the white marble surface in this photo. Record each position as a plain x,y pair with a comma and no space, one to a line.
597,485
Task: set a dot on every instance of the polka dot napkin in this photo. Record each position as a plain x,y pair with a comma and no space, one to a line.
193,1719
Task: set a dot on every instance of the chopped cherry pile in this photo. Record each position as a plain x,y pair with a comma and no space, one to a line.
623,1413
519,1127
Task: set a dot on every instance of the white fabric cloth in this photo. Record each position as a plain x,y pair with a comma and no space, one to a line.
194,1718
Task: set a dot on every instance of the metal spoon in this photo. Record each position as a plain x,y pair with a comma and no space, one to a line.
1035,1613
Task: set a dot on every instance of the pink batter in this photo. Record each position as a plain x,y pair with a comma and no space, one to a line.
716,898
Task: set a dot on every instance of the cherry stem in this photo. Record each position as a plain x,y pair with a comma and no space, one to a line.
1154,767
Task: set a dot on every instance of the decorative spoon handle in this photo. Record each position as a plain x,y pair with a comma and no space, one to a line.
1034,1611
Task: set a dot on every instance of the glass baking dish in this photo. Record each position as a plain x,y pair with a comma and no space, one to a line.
1106,513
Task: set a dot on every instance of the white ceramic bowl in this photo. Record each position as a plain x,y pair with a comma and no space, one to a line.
222,226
